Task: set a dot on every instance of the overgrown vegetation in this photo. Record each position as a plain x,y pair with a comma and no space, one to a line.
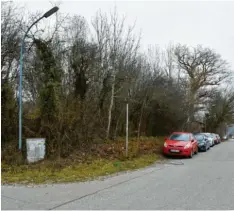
99,160
76,84
45,173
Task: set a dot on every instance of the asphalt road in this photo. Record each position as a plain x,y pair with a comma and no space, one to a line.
204,182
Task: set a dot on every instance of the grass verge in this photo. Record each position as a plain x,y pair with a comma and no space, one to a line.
99,159
46,172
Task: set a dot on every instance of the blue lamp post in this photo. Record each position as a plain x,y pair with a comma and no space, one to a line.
46,15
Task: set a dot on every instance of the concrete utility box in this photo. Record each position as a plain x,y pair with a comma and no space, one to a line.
35,149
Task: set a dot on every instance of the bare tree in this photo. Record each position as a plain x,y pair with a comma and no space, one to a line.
11,28
221,109
169,60
204,68
117,47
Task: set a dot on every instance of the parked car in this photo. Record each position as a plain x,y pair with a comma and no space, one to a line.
210,138
215,138
218,138
180,144
203,142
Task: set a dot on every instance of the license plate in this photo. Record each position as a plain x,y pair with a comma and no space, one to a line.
175,150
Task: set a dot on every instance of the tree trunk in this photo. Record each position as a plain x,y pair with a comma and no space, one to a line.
110,109
117,125
140,120
127,129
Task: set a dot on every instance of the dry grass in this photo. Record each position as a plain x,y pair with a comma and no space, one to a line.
45,173
100,160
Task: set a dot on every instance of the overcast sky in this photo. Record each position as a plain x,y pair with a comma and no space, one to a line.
209,23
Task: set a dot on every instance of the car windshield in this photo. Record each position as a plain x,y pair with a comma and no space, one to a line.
199,138
179,137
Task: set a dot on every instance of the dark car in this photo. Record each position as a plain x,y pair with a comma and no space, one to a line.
203,142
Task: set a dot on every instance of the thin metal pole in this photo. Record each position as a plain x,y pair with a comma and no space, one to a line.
20,93
21,79
127,129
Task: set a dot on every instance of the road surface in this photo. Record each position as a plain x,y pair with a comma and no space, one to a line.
204,182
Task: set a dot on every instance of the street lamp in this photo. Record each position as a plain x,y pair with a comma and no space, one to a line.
46,15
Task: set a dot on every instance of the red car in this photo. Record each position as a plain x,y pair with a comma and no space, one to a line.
181,144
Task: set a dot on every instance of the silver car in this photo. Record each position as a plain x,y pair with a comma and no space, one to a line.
210,138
